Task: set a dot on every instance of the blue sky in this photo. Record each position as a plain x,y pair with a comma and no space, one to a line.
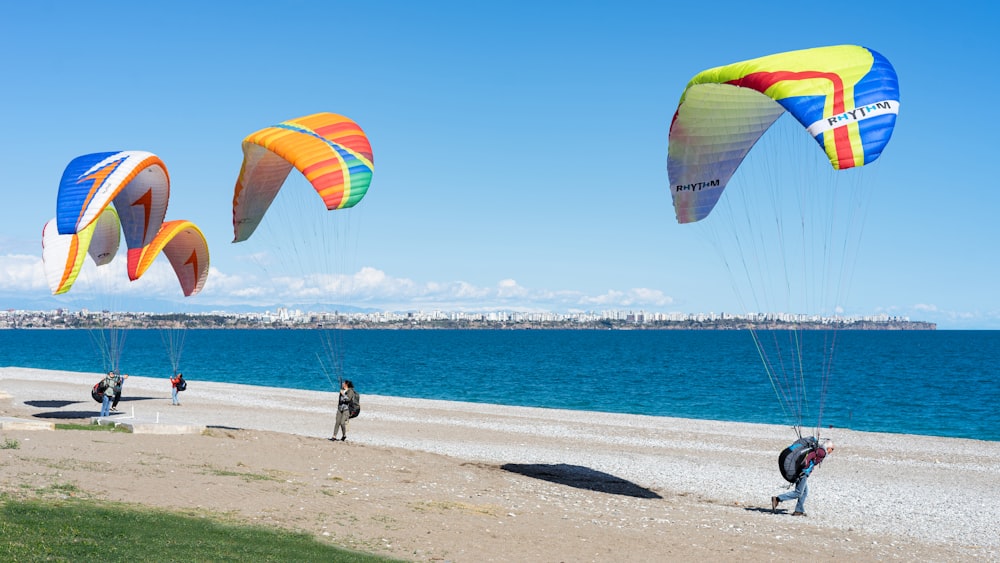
520,147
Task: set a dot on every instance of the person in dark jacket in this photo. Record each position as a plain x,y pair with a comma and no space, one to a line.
348,396
119,381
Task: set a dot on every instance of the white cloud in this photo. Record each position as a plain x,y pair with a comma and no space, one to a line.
946,318
368,287
636,297
22,278
374,288
21,272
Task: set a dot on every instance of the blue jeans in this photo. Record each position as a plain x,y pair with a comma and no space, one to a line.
801,492
106,405
173,395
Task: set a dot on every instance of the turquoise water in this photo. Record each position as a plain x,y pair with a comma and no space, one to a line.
938,383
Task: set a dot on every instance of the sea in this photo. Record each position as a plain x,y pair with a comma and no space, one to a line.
935,383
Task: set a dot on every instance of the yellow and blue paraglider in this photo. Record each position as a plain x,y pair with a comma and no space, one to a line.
788,229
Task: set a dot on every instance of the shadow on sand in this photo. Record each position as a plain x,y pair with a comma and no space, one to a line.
51,404
766,510
76,414
581,478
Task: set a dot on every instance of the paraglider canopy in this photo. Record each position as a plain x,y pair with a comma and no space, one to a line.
846,97
184,245
136,182
306,243
789,227
330,150
63,255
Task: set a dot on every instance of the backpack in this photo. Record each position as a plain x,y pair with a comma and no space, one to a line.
791,459
355,406
181,384
97,393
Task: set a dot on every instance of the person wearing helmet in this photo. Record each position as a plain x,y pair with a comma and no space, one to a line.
801,491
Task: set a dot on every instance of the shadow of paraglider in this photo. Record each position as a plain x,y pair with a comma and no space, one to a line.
50,404
581,478
67,415
128,399
61,414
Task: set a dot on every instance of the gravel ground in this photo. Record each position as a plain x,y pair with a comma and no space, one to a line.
924,497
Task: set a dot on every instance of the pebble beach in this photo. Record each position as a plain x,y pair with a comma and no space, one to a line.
608,486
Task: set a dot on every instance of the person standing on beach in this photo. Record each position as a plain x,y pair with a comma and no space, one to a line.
109,393
119,381
801,491
348,396
174,381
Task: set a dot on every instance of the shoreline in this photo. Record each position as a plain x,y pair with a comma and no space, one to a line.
581,362
469,321
913,492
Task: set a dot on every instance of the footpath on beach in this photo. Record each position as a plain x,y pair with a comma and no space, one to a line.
942,490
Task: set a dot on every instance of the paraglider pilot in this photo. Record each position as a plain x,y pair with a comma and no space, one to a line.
347,396
109,392
801,490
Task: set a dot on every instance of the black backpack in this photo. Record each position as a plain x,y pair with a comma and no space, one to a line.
355,407
181,384
97,393
791,460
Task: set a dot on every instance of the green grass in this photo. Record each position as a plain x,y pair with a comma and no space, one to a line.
91,427
80,530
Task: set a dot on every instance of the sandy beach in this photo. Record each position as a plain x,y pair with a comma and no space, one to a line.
426,480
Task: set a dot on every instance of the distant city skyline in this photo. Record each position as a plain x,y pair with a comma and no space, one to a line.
637,316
